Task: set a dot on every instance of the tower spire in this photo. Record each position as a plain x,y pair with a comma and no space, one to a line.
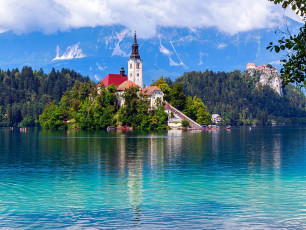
135,53
135,39
135,65
122,71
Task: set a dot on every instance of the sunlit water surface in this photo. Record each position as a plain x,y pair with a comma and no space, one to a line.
225,179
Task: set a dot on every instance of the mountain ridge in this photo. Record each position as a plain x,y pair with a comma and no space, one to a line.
171,52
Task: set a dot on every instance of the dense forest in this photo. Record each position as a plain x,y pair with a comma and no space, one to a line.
240,100
24,94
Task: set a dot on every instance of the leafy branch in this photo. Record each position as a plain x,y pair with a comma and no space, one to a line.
294,63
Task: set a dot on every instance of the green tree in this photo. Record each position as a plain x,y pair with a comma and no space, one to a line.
197,111
134,112
178,98
185,123
159,118
163,84
52,117
166,90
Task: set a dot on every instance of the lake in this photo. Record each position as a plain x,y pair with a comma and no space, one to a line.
223,179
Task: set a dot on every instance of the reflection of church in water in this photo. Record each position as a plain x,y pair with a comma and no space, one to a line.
138,156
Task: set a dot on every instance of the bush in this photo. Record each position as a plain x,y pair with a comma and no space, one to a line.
185,123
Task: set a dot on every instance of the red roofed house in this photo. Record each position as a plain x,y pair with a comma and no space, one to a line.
115,79
120,90
154,93
125,85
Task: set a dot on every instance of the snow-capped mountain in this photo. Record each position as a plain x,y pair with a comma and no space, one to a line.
101,50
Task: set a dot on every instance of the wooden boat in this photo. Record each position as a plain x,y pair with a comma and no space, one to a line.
123,128
110,128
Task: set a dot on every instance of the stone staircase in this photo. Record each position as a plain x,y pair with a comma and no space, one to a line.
192,123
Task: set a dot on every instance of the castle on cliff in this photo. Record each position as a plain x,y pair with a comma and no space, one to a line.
268,76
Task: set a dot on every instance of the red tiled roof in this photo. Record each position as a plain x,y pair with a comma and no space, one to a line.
251,64
150,90
126,84
115,79
167,106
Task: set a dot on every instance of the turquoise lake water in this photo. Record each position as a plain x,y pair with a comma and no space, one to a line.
225,179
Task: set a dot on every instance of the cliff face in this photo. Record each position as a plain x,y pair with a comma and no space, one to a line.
267,76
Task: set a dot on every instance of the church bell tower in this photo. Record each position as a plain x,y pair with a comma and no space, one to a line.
135,65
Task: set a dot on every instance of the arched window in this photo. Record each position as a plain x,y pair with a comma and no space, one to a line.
138,66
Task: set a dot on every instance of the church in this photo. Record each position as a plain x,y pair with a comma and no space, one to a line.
132,79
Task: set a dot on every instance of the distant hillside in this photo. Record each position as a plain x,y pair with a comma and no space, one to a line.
24,94
241,99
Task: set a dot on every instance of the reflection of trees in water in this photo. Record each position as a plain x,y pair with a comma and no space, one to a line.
174,144
266,149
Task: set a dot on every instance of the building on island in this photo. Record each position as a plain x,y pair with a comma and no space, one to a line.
154,94
216,118
133,79
120,90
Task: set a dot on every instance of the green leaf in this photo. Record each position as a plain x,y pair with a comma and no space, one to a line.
276,49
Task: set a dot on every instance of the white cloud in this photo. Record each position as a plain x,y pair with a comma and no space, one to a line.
97,77
173,63
222,45
278,62
187,38
100,67
168,53
117,50
50,16
201,57
164,50
72,52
